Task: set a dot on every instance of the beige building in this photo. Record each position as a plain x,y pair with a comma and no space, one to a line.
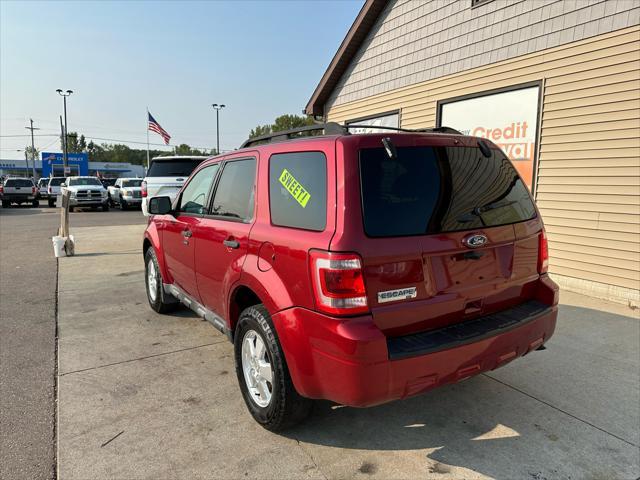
556,83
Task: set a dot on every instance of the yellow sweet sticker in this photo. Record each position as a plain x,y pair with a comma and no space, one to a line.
297,191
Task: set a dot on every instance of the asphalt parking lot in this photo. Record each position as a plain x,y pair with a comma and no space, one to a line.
28,283
142,395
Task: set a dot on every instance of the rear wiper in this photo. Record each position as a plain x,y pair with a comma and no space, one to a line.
478,211
492,206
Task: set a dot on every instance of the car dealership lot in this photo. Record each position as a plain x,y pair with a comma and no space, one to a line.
142,395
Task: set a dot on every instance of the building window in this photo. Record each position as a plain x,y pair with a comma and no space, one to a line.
476,3
369,124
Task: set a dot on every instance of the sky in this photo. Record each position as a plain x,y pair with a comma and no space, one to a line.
261,59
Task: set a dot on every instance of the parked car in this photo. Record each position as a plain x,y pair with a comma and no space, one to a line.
166,175
86,192
42,188
19,190
126,192
54,189
358,268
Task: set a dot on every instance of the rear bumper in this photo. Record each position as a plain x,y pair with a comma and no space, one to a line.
11,197
350,361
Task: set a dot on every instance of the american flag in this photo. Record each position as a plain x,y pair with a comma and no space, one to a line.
155,127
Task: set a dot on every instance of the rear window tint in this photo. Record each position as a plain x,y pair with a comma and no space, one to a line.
131,183
16,182
56,182
298,190
430,190
173,168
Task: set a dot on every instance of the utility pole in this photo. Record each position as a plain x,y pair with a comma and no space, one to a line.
33,149
217,108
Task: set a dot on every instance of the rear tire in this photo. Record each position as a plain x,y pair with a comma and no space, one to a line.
159,301
70,209
35,204
6,204
105,207
52,203
123,205
285,407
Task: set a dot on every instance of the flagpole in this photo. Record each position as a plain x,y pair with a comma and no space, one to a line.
148,139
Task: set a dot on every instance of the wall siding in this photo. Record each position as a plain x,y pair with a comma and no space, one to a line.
589,154
418,40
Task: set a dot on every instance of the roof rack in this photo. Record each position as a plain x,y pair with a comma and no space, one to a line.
332,128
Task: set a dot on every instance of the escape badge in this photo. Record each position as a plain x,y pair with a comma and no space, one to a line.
297,191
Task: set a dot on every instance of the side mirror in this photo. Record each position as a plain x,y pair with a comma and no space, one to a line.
63,184
159,205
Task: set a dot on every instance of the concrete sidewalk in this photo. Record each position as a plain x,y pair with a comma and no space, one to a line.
142,395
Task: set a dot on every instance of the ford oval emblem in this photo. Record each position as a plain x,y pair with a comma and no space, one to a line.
476,240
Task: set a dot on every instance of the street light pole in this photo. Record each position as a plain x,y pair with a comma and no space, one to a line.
65,159
217,108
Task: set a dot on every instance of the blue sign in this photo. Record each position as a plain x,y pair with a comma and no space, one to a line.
53,163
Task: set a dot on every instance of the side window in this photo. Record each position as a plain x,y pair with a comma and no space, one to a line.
234,197
194,195
298,190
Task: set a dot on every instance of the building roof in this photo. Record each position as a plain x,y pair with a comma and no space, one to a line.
348,48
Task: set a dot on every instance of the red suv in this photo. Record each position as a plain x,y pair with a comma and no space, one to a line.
357,268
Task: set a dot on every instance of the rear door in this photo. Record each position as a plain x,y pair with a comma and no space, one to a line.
222,236
440,245
178,240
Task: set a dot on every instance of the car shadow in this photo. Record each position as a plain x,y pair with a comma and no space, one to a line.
489,425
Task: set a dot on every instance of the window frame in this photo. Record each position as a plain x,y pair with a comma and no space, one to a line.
326,211
178,201
214,189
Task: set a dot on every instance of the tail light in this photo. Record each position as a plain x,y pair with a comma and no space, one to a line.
33,190
143,188
338,282
50,190
1,188
543,253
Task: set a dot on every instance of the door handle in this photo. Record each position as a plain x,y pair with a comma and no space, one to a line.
187,233
231,243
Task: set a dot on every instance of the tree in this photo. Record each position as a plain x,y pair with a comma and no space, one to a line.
32,152
114,153
75,144
283,122
184,149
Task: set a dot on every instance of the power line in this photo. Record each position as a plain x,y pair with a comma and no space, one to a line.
36,135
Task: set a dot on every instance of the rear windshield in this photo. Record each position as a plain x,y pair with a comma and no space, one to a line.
172,168
56,181
17,182
75,182
131,183
428,190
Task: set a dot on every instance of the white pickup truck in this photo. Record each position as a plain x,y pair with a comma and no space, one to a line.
86,192
54,189
19,190
126,192
165,177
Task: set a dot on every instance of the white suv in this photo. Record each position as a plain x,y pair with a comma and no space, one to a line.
165,177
